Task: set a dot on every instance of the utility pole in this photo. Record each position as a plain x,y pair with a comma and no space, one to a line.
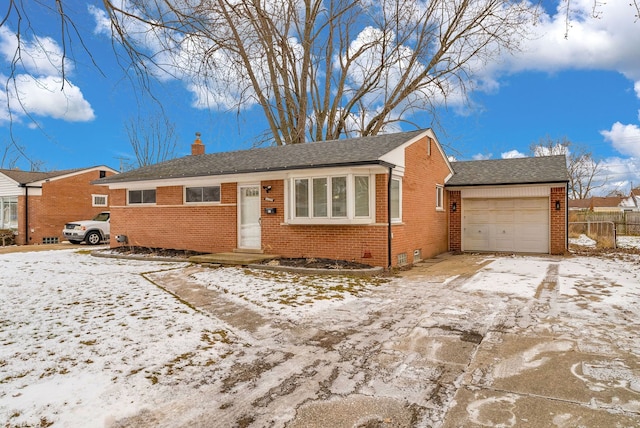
121,159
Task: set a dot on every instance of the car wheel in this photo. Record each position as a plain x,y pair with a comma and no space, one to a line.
74,242
93,238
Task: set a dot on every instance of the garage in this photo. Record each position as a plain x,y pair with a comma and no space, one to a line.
506,224
516,205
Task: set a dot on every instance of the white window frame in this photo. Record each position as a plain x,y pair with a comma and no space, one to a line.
439,197
96,204
349,218
6,202
399,218
184,195
142,197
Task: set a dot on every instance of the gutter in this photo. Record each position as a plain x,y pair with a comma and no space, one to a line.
118,178
453,186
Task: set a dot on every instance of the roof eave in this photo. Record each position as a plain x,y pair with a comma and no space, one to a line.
564,182
117,179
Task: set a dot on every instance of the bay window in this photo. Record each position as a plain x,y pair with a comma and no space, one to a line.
332,198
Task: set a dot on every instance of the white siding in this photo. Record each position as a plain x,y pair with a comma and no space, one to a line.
8,187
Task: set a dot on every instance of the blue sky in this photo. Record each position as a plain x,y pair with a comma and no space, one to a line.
585,87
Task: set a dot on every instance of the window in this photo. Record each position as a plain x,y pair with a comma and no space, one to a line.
362,195
99,200
439,197
338,196
9,212
202,194
320,197
302,197
147,196
396,214
343,197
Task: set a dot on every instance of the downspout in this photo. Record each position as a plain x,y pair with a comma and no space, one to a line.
389,233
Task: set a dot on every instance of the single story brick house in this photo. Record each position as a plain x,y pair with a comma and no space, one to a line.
380,200
36,205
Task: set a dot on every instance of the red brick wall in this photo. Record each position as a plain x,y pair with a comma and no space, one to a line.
214,228
455,221
63,200
170,224
170,195
423,227
558,220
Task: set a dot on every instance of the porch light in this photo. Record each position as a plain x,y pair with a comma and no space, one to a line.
454,206
557,205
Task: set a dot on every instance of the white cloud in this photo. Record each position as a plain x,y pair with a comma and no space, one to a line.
636,87
619,174
481,156
38,88
44,97
624,138
40,56
605,42
512,154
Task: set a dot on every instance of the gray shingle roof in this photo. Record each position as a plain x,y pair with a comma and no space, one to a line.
25,177
354,151
545,169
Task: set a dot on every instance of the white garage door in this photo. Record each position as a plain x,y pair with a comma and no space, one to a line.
513,225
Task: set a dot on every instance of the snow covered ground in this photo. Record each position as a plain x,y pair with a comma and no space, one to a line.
622,241
88,341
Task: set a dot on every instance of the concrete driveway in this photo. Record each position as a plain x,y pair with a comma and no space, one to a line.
459,341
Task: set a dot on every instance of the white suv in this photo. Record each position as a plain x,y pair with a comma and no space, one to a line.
92,232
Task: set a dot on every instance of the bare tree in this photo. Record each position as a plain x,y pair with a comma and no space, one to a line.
596,13
152,138
12,153
321,69
584,172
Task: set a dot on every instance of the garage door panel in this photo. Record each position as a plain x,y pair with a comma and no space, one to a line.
503,237
478,217
532,203
500,217
503,204
513,224
477,236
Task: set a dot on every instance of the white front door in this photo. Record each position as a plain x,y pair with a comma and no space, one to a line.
249,218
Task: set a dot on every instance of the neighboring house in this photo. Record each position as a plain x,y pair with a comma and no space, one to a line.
331,199
607,203
38,204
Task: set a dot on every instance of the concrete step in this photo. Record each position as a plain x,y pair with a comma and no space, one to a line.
234,258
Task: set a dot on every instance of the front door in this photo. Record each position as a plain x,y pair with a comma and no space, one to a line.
250,233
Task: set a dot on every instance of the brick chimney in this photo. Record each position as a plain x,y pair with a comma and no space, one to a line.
197,148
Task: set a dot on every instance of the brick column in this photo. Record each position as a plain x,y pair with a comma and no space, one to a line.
558,220
455,221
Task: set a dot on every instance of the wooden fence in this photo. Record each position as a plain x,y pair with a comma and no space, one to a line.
627,223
